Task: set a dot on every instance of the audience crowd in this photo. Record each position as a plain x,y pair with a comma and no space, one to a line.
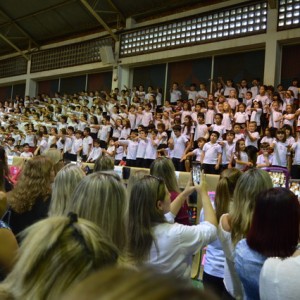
59,225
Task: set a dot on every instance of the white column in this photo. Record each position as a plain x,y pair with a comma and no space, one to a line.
30,85
121,76
272,68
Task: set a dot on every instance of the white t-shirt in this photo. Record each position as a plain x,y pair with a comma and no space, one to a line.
233,103
179,145
228,150
274,119
26,154
209,116
244,158
77,143
141,148
103,133
279,279
264,100
95,154
241,117
192,94
86,142
248,142
132,147
147,117
295,91
174,96
280,152
226,121
200,131
43,145
176,243
211,153
151,149
261,159
255,116
197,152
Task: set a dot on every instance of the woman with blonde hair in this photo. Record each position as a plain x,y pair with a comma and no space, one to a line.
55,254
156,242
101,198
65,183
163,167
29,200
213,273
235,225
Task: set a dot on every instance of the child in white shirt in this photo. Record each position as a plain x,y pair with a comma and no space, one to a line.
265,159
96,152
212,155
26,153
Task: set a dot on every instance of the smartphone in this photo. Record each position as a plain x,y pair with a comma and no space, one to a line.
196,173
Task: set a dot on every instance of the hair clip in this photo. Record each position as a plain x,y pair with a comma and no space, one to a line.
73,217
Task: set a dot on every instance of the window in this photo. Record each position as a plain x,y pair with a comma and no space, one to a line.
233,22
288,14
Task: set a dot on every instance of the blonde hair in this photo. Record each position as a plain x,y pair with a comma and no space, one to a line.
101,198
127,284
142,214
64,185
104,163
248,186
162,166
56,253
225,189
34,183
135,175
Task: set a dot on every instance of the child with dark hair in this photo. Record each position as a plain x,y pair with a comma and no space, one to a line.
178,143
87,143
95,153
212,155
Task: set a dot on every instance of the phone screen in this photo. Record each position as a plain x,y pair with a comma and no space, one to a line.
196,172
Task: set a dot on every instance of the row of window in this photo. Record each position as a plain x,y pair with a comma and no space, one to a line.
233,22
228,23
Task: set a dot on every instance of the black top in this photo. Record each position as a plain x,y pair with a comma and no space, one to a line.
18,222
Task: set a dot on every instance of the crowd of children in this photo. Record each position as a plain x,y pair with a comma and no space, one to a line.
234,125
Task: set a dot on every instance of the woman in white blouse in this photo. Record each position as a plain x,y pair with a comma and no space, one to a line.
166,246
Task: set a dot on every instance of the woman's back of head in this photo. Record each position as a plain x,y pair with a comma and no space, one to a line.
34,182
128,284
63,187
163,167
56,253
104,163
275,226
248,186
101,198
225,189
143,212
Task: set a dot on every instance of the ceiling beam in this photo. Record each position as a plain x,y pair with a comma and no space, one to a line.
41,11
13,46
99,19
113,5
25,33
